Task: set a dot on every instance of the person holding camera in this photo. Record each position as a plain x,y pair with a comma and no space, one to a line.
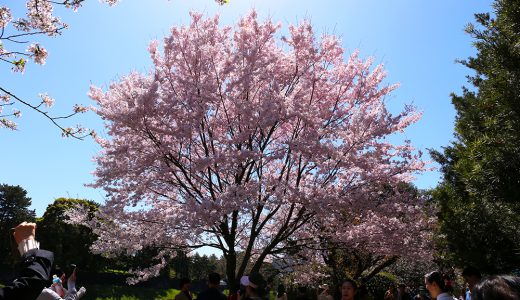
35,268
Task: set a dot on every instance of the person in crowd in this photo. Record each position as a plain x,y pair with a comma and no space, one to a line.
435,284
348,289
35,267
185,286
500,287
402,293
244,281
422,294
325,293
448,284
391,293
234,294
281,294
302,293
212,292
471,276
254,286
58,292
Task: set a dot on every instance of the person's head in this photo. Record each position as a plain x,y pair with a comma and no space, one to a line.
391,288
213,280
324,288
184,284
255,285
471,276
497,288
348,289
401,287
434,283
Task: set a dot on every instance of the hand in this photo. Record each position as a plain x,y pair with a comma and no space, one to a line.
24,231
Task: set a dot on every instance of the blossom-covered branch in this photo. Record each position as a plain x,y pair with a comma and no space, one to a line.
17,49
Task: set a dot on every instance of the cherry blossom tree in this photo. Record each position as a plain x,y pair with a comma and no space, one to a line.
40,20
240,139
395,226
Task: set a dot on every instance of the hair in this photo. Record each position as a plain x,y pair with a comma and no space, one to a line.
184,281
352,282
258,280
281,290
214,278
435,277
497,288
471,271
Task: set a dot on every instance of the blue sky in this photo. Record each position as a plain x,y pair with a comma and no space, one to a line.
418,41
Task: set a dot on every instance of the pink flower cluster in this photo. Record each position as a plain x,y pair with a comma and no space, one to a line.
5,16
38,53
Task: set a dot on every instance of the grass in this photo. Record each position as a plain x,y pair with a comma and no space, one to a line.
104,292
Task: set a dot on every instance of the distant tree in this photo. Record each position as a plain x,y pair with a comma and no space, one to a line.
70,243
182,264
479,197
14,209
201,266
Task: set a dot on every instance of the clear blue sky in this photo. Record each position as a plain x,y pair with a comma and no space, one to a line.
418,41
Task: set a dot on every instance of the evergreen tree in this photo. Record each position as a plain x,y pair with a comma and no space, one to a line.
479,197
70,243
14,209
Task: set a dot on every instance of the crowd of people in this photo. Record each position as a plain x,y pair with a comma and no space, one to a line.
38,279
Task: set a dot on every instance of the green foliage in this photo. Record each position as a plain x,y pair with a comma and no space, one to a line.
14,209
479,198
380,283
105,292
70,243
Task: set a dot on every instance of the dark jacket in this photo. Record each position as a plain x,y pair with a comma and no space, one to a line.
211,294
35,269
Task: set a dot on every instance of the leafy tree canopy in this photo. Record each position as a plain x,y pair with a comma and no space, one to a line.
479,196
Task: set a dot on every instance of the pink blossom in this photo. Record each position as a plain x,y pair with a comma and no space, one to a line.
5,16
46,99
38,53
80,108
241,141
6,123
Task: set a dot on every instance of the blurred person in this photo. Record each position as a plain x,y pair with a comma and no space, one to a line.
348,289
325,294
471,276
391,293
35,266
435,284
185,286
254,286
500,287
281,294
402,293
212,292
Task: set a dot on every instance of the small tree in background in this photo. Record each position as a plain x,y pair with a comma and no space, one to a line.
70,243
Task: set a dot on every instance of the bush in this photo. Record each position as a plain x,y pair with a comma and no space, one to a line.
380,283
